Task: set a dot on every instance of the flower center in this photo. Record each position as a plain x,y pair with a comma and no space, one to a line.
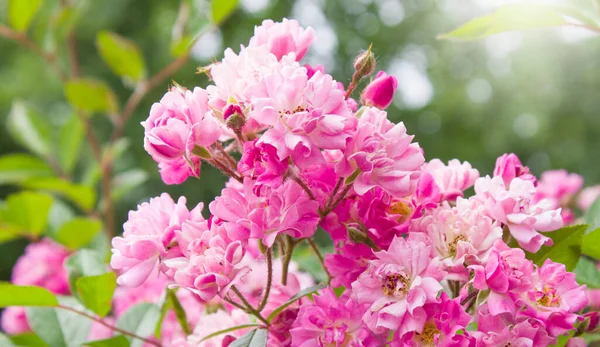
427,336
396,285
288,112
402,209
454,243
549,297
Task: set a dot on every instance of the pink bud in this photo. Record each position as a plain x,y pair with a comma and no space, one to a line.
508,166
232,109
380,92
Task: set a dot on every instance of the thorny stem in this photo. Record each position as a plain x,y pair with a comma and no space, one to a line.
335,190
263,303
352,86
315,248
249,307
224,169
101,321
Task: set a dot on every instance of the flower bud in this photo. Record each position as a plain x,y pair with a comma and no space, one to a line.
380,92
358,235
364,63
509,167
234,117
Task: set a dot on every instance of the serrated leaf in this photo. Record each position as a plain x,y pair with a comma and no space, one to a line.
96,292
566,248
69,143
85,262
12,295
29,128
587,273
83,196
221,9
122,55
299,295
78,232
91,95
18,167
140,320
127,181
117,341
254,338
21,12
27,211
508,18
590,244
59,327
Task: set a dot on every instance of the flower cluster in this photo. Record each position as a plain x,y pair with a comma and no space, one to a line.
417,259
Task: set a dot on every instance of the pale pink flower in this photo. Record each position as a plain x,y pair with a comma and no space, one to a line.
514,206
380,92
506,274
508,167
398,283
588,196
382,155
99,331
282,38
453,179
14,320
554,298
559,188
42,265
147,237
213,322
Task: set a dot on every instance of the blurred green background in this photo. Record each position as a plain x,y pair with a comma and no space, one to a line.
533,93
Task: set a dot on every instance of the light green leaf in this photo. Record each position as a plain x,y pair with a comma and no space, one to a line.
59,327
225,331
85,262
78,232
508,18
590,244
27,211
69,142
91,95
5,341
28,340
300,294
21,12
127,181
179,311
11,295
221,9
83,196
587,273
593,215
18,167
122,55
8,232
29,128
140,320
117,341
254,338
566,248
96,292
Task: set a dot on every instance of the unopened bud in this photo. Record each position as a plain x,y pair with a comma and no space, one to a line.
231,110
380,92
234,117
364,63
357,235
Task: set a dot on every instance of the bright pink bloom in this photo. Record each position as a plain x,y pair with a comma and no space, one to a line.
380,92
506,273
260,162
42,265
178,170
349,261
382,155
147,237
331,321
588,196
283,37
554,298
398,283
452,179
288,210
516,209
508,167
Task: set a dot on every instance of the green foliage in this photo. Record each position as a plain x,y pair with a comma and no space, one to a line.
5,341
20,13
566,248
28,340
69,143
225,331
96,292
18,167
85,262
78,232
221,9
11,295
26,212
91,95
254,338
125,182
593,215
117,341
122,55
587,273
83,196
29,128
298,296
59,327
179,311
140,319
590,244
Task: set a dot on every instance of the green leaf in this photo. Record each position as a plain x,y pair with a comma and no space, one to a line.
179,312
91,95
587,273
69,143
96,292
593,215
85,262
5,341
127,181
590,244
29,128
225,331
78,232
122,55
28,340
566,248
254,338
18,167
221,9
300,294
21,12
59,327
83,196
117,341
27,211
11,295
508,18
140,320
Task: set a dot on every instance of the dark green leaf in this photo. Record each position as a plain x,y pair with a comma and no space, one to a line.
59,327
11,295
29,128
91,95
140,320
27,211
587,273
254,338
69,142
18,167
83,196
122,55
21,12
566,248
96,292
78,232
221,9
300,294
117,341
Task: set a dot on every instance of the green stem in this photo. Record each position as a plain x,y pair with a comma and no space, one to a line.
315,248
263,303
249,307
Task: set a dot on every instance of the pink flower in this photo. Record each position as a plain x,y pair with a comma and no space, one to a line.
397,284
213,322
380,92
516,209
14,320
462,234
178,170
42,265
288,210
147,237
331,321
588,196
260,162
506,273
508,167
554,298
347,263
383,156
283,37
453,179
558,186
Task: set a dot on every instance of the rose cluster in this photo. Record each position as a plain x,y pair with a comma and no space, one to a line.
416,261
